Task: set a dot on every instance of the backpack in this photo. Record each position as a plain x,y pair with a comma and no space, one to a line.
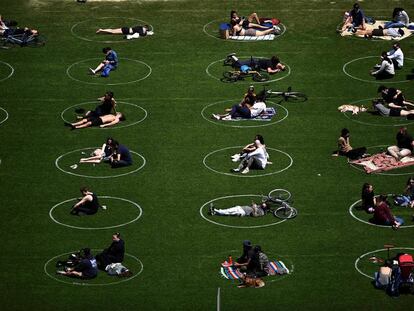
263,261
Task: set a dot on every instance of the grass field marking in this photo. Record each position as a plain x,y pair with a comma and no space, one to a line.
106,128
367,222
250,81
359,168
98,58
228,124
11,70
386,81
7,115
248,176
229,40
88,176
87,284
371,252
231,226
98,228
106,17
379,116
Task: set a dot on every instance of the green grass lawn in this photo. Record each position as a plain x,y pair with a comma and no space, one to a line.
168,85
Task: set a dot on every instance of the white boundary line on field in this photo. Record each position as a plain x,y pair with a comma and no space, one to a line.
11,73
7,115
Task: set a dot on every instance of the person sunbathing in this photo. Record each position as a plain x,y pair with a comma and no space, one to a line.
271,66
238,30
254,210
380,32
100,155
129,32
102,121
245,110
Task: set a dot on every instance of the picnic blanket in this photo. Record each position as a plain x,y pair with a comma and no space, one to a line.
266,116
382,162
275,268
407,32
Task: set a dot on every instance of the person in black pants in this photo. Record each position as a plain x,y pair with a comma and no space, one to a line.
87,205
113,254
345,149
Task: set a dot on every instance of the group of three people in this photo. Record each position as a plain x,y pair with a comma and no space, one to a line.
390,62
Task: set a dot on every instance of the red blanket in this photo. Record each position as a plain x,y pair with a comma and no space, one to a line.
382,162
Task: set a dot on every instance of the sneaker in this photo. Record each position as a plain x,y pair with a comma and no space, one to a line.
236,159
91,71
133,36
211,210
230,55
215,116
150,33
235,170
245,171
103,207
74,166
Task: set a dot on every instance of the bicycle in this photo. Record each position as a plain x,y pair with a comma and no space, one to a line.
279,205
288,96
22,40
238,75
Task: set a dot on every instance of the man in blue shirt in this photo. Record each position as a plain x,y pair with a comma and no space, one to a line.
109,63
121,156
356,19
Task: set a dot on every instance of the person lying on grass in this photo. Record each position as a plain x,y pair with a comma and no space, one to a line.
87,205
383,215
108,64
129,32
257,159
345,148
100,155
253,210
26,32
86,269
271,66
404,145
102,121
245,110
380,32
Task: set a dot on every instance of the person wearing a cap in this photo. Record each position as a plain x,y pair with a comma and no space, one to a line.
113,254
87,268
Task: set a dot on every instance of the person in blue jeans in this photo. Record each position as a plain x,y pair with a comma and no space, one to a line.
399,19
108,64
121,156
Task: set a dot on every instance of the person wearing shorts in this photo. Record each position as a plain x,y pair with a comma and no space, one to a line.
135,31
271,66
102,121
404,145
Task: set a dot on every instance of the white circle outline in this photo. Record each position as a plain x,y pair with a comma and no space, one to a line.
106,17
370,81
367,222
7,115
246,82
375,251
359,168
97,228
231,226
241,126
247,176
88,284
87,176
107,128
121,83
372,124
244,41
11,73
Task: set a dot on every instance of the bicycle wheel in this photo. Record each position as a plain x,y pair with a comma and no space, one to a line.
279,194
285,212
36,41
228,61
262,77
295,97
230,76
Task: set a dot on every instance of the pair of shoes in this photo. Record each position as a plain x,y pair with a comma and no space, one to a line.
245,171
104,207
230,55
91,71
235,158
133,36
235,170
215,116
211,210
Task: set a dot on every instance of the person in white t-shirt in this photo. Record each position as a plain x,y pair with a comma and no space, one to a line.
256,159
396,55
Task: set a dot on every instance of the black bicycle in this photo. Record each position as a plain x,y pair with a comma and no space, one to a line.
22,40
279,204
288,96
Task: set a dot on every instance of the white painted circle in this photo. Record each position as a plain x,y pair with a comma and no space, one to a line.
97,228
250,81
359,168
248,176
231,123
72,29
99,59
239,227
79,282
106,128
88,176
371,224
7,115
379,116
11,70
386,81
244,41
371,252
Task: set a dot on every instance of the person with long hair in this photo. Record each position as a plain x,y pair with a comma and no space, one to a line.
345,148
386,69
404,145
399,19
368,200
383,215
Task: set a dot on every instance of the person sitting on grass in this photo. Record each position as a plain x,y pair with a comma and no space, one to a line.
247,149
404,145
86,269
271,66
383,215
108,64
253,210
102,121
256,268
392,103
107,106
100,155
396,55
129,32
385,70
257,159
368,200
400,19
113,254
407,198
355,19
121,156
87,205
345,148
245,110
